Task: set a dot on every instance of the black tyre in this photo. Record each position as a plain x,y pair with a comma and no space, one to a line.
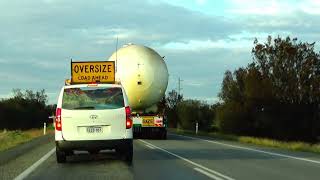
164,134
125,153
94,151
160,135
61,156
69,153
129,155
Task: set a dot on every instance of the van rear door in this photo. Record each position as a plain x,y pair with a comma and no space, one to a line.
93,113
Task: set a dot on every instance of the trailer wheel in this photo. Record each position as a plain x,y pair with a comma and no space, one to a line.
164,134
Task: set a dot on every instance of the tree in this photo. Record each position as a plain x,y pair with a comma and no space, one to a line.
173,99
277,95
293,68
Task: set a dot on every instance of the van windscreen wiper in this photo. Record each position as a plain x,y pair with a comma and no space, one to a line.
85,107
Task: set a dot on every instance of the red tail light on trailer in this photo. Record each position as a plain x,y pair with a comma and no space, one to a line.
128,118
58,124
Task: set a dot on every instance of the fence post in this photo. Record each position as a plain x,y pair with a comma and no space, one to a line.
197,127
44,128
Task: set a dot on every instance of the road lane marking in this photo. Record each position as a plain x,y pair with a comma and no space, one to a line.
150,146
189,161
252,149
212,176
34,166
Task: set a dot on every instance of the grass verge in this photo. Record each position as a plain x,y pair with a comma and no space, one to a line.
11,139
294,146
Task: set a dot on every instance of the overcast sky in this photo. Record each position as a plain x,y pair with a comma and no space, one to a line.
200,39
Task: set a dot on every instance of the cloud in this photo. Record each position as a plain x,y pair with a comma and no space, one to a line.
201,2
202,71
210,100
199,45
6,95
63,27
38,38
256,7
20,77
194,83
274,7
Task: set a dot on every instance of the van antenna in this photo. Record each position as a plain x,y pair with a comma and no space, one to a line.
71,67
117,54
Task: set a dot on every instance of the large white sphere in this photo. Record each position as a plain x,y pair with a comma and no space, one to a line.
143,73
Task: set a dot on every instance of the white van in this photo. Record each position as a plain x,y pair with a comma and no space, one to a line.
93,117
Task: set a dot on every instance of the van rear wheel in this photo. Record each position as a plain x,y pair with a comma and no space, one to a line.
129,155
94,151
126,153
61,156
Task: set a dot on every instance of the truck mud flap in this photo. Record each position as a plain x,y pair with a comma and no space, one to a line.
150,132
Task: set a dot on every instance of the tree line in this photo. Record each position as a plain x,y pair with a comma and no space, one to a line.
25,110
277,95
184,114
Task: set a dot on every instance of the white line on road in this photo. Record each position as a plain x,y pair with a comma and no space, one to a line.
34,166
212,176
252,149
150,146
189,161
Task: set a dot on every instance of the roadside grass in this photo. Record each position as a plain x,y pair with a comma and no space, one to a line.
292,145
9,139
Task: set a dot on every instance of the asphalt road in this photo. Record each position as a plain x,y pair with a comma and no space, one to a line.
178,157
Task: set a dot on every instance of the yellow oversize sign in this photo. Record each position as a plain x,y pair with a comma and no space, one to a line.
93,72
147,121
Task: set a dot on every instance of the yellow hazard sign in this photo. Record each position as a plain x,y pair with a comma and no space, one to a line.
92,72
147,121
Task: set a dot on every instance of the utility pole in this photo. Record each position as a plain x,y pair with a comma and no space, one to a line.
117,54
179,86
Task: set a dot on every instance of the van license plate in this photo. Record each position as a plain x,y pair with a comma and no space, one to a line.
94,130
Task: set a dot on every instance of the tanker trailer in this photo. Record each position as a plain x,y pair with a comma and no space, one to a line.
144,76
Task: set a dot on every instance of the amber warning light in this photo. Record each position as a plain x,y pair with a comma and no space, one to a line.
92,72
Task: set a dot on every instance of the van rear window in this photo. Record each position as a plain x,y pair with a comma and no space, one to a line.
97,98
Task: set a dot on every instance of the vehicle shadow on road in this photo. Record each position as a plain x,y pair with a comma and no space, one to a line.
86,166
105,165
83,156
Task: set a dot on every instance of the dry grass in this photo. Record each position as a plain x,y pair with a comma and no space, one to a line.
294,146
10,139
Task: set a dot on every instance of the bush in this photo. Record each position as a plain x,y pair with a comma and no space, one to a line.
191,112
24,111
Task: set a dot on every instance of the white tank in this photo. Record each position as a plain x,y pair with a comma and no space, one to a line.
143,73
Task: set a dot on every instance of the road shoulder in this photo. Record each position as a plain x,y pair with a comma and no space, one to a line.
15,160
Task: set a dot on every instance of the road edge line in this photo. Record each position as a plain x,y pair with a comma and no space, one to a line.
212,176
151,147
34,166
251,149
189,161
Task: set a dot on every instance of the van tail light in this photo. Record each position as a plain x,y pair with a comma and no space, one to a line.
58,124
128,118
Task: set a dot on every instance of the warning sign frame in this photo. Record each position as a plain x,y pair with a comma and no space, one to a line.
87,76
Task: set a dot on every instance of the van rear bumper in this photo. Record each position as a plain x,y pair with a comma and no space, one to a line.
94,144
